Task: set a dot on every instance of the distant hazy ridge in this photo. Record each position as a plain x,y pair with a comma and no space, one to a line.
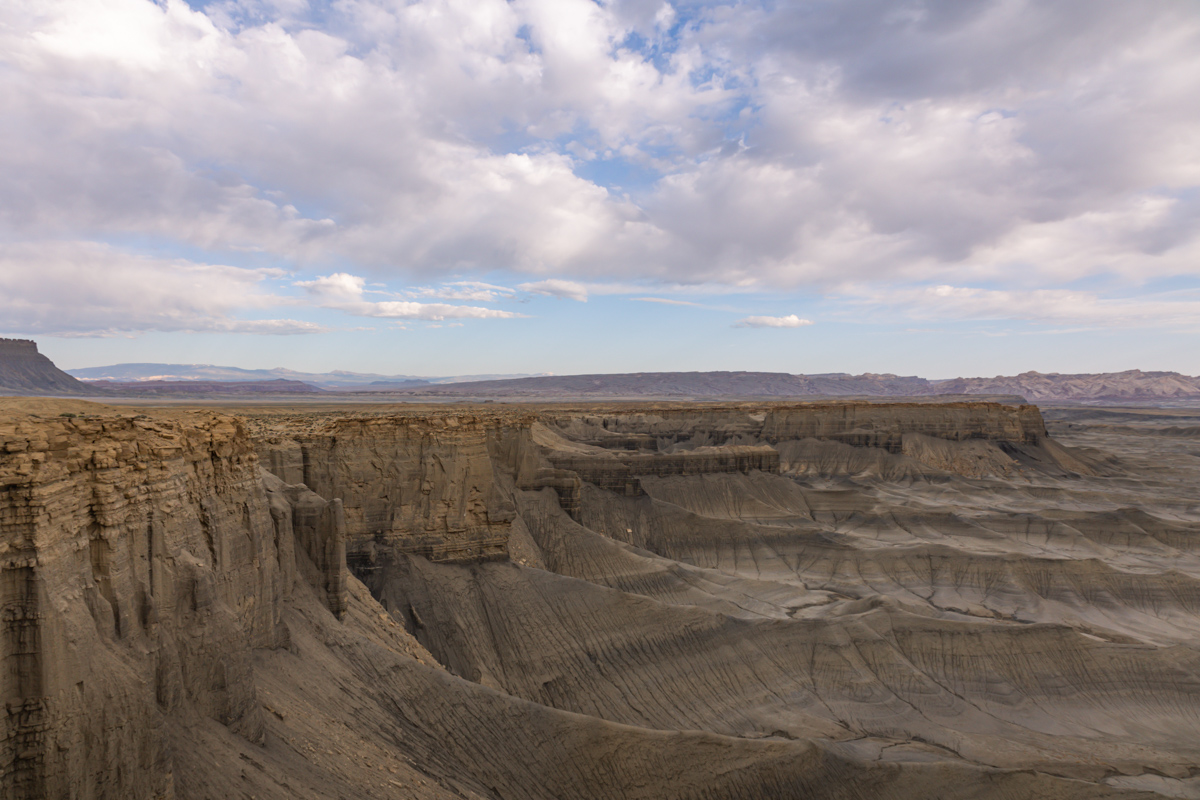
25,371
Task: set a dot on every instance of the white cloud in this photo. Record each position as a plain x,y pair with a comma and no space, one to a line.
466,290
555,287
344,292
91,289
790,321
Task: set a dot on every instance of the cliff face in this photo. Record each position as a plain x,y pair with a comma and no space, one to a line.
859,424
438,483
420,484
25,371
140,564
884,426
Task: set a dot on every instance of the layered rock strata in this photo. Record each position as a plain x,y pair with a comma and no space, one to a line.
859,424
420,484
140,565
622,472
142,562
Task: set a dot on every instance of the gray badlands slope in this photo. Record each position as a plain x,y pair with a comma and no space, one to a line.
738,601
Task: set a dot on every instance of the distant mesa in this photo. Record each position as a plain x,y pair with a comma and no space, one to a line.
177,388
25,371
1102,388
338,380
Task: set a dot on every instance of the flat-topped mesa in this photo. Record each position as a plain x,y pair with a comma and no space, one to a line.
419,483
9,347
25,371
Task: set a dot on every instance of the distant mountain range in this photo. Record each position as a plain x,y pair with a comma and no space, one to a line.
336,380
684,384
23,370
1129,386
177,388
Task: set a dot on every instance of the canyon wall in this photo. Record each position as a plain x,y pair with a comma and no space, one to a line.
438,483
420,483
860,424
620,472
141,563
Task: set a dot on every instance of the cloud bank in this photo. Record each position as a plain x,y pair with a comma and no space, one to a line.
557,145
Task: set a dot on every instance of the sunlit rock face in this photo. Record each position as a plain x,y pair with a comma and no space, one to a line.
736,601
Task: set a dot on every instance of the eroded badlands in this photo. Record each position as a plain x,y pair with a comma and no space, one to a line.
642,601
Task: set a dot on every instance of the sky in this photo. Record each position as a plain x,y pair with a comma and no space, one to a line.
448,187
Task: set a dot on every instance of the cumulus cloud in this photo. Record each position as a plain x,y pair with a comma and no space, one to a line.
91,289
344,292
790,321
569,144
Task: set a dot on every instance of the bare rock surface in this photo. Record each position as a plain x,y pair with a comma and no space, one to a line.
774,600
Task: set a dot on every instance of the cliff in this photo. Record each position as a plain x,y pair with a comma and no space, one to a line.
142,561
25,371
437,483
415,483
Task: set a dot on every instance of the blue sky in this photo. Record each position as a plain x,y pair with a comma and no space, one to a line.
441,187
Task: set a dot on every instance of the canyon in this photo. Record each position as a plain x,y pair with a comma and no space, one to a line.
598,600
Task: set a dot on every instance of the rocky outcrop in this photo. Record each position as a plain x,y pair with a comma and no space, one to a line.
318,528
141,563
25,371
